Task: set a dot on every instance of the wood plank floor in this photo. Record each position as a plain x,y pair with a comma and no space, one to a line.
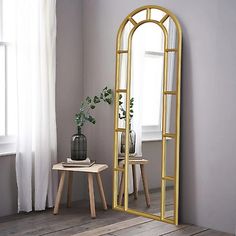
76,221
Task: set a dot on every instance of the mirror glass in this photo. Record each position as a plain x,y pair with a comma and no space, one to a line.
148,64
147,70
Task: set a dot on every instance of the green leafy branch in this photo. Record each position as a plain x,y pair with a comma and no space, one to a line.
90,103
122,113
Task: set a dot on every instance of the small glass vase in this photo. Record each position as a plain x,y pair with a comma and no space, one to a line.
132,140
78,146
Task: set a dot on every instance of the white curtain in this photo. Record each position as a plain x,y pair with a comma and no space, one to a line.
137,76
136,123
137,61
33,38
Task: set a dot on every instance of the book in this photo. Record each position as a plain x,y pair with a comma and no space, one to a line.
130,155
133,156
86,161
65,164
72,163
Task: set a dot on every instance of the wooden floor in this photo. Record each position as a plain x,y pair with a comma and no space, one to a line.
76,221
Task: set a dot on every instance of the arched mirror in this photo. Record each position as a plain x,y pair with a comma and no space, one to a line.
147,114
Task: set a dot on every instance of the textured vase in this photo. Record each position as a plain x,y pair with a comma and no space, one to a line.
132,140
78,146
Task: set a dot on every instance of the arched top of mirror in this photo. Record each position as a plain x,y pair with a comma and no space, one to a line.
151,13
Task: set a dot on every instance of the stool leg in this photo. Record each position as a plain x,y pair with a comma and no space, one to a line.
145,185
69,191
135,182
101,191
121,190
59,192
91,195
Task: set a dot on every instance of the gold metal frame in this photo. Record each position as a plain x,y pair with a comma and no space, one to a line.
165,135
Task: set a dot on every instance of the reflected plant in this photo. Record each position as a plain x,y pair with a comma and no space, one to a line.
122,113
89,104
123,116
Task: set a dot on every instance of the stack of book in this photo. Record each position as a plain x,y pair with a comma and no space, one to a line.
130,155
72,163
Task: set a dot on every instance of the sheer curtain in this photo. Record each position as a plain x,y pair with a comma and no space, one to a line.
137,76
32,34
136,88
136,92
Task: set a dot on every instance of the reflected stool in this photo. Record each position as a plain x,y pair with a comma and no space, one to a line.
135,161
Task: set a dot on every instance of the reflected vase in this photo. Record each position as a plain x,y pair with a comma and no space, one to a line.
132,141
78,146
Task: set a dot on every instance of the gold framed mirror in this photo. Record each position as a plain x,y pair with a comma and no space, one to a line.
147,99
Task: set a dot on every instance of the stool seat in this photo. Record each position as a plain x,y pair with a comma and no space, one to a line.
95,169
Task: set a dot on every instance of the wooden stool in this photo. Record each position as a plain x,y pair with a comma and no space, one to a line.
94,169
141,163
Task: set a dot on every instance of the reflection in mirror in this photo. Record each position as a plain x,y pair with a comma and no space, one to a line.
170,110
157,14
170,157
147,71
146,88
147,77
171,81
169,200
123,71
122,115
125,35
172,32
121,185
141,16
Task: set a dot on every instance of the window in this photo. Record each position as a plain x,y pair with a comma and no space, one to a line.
8,109
148,61
152,85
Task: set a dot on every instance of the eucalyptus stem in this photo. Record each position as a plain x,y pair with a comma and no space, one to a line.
122,113
89,103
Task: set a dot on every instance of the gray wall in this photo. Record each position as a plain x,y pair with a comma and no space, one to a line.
69,85
208,193
69,91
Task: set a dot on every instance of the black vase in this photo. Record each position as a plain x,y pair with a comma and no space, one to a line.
78,146
132,140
